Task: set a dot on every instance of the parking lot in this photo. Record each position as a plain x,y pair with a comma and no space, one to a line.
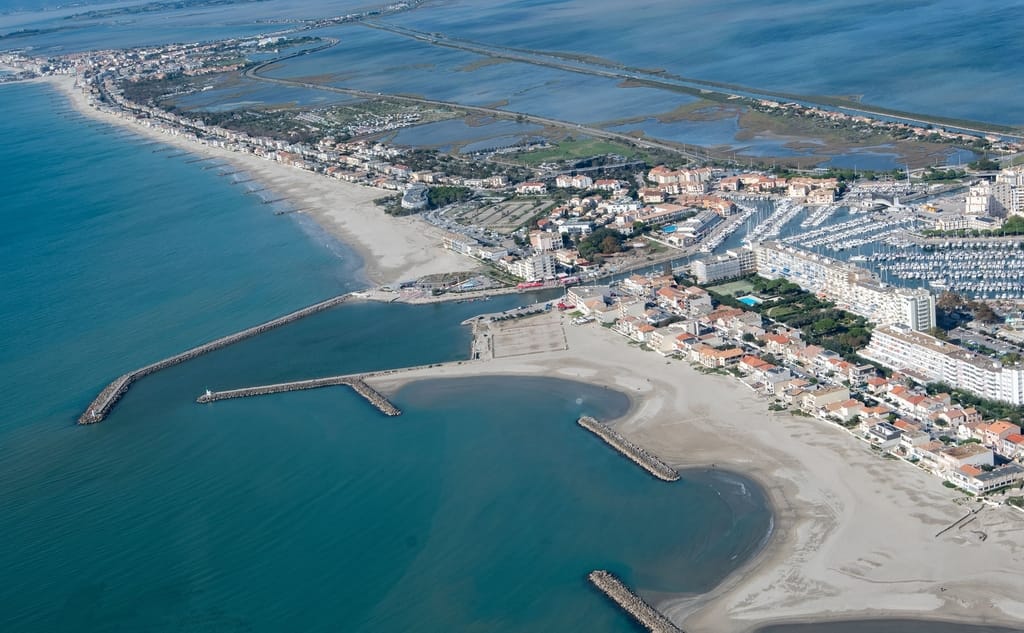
528,335
501,217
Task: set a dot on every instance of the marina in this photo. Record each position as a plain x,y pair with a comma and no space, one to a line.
770,228
989,269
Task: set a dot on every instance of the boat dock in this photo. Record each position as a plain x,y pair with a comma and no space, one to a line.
105,401
640,456
355,381
638,608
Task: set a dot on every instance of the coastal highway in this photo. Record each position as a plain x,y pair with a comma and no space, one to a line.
253,73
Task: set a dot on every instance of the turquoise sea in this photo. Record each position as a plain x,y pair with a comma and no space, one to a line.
480,509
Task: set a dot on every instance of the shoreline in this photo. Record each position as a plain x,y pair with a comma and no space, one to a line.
816,511
852,535
391,249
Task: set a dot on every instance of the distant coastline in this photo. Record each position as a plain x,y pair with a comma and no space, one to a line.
392,249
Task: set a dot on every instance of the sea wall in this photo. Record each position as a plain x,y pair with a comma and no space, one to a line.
105,401
638,608
372,396
636,454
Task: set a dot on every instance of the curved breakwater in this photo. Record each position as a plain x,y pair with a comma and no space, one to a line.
638,455
372,396
634,605
105,401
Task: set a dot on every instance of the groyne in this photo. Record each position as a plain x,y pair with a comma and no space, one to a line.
105,401
356,382
374,397
640,456
638,608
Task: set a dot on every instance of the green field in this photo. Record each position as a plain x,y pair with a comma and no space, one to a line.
736,288
575,148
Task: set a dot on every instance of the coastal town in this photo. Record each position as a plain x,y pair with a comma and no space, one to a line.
559,226
888,305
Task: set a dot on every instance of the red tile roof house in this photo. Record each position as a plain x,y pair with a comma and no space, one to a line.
1012,447
715,358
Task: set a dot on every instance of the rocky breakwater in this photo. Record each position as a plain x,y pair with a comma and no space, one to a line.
638,608
638,455
105,401
372,396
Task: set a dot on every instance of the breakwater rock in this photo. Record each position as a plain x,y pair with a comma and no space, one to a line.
372,396
638,608
636,454
105,401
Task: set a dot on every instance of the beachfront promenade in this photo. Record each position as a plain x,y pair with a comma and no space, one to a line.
102,405
641,457
637,608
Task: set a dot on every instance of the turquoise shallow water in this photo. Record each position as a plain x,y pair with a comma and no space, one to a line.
481,508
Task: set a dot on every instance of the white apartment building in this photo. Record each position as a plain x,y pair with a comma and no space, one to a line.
1004,196
544,241
852,288
933,360
730,264
534,267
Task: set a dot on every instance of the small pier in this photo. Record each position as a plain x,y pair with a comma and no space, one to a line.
105,401
638,608
356,382
640,456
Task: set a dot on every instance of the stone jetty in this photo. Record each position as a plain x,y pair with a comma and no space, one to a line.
372,396
105,401
638,455
638,608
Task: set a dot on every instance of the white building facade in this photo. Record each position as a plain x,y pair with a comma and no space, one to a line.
933,360
852,288
730,264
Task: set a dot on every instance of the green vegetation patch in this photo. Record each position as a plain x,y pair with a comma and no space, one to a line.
572,149
736,288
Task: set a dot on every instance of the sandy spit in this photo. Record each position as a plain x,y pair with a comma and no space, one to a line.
392,249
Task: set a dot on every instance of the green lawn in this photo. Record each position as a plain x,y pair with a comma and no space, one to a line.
736,288
576,148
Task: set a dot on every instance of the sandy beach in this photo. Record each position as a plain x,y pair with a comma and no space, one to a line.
854,533
392,249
